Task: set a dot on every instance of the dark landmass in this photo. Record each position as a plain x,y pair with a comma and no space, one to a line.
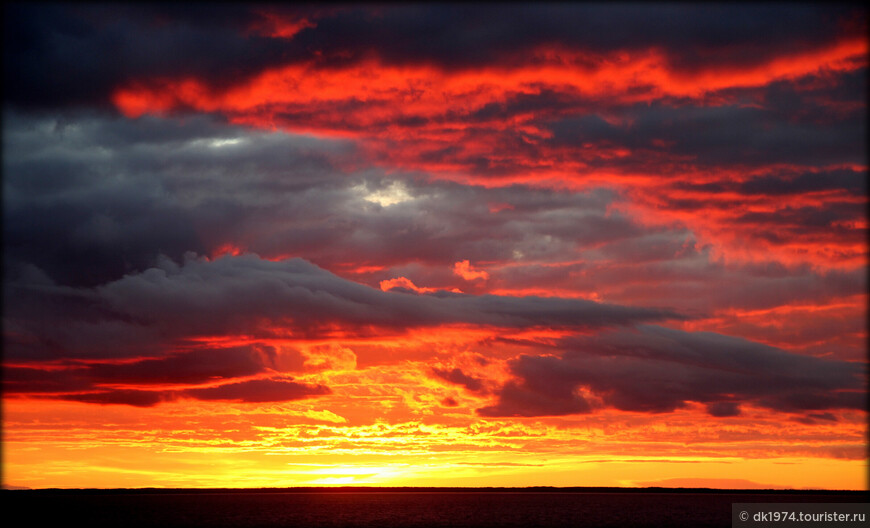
410,489
399,507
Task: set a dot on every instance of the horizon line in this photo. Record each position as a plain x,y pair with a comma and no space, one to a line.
375,488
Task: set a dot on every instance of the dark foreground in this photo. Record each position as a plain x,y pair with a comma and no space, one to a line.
394,507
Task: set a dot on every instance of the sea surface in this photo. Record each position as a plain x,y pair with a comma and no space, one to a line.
379,509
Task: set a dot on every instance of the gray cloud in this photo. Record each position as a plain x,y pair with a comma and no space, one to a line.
196,366
148,313
655,370
260,390
847,181
721,135
93,380
533,399
158,379
250,391
232,293
89,199
95,48
133,397
460,378
58,56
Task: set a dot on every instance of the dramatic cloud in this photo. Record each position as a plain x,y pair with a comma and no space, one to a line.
196,366
253,391
460,378
214,41
658,370
44,43
547,234
246,295
264,390
163,379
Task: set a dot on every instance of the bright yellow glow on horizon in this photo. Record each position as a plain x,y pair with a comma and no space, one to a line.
183,445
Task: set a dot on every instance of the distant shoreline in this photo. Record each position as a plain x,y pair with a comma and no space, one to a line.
410,489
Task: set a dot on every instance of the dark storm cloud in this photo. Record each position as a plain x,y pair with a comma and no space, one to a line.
723,409
231,294
815,120
93,382
850,182
143,314
446,223
191,367
197,366
251,391
460,378
723,135
89,199
656,370
88,242
136,398
467,35
57,55
822,98
257,391
829,219
532,397
697,284
26,380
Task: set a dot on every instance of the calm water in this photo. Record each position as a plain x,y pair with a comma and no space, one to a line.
385,509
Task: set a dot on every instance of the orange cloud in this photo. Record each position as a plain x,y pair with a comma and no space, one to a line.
403,282
463,269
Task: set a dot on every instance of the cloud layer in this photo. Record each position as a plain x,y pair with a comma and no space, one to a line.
658,370
426,230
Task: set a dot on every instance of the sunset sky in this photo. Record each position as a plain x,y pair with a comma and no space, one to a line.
435,245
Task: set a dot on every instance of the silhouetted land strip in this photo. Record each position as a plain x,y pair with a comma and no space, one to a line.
397,507
411,489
